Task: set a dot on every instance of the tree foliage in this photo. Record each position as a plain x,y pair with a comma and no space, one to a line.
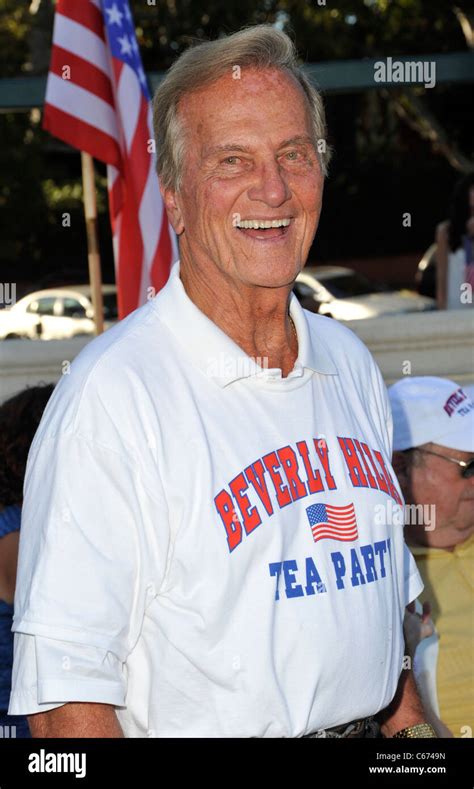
395,149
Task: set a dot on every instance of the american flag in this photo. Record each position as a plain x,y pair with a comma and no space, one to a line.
334,523
97,100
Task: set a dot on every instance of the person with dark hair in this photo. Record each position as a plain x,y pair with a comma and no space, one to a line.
454,253
19,420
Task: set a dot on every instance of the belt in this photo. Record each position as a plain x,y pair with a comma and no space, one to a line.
366,727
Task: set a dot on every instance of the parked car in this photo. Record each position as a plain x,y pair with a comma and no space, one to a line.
346,295
57,313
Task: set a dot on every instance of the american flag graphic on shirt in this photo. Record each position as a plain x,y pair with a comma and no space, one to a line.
334,523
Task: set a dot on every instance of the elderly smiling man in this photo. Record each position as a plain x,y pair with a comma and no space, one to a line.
200,555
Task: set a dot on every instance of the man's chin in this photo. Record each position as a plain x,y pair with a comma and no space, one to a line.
466,530
270,270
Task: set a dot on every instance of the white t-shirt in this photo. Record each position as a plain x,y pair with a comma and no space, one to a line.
207,545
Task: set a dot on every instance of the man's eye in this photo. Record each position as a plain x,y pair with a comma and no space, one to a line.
231,160
292,155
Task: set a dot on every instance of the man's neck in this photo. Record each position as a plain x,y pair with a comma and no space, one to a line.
255,318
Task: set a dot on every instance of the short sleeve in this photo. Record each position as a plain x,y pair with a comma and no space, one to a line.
389,428
381,407
92,544
413,583
48,673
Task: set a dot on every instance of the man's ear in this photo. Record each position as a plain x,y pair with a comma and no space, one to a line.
173,210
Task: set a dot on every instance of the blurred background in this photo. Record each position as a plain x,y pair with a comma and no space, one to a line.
394,236
399,150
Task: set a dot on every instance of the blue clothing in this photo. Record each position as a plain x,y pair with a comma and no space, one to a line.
468,249
18,726
10,520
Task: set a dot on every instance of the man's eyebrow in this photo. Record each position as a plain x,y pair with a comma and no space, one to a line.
299,139
231,146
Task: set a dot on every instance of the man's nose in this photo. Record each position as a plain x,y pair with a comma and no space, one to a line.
270,186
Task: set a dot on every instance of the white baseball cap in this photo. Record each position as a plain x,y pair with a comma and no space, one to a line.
427,409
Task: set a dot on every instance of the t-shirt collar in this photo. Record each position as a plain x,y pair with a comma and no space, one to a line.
216,354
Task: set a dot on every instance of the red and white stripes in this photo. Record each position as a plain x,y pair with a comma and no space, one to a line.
96,102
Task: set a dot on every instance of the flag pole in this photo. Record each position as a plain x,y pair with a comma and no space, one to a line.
90,213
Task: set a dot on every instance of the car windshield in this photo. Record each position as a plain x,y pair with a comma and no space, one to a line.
344,287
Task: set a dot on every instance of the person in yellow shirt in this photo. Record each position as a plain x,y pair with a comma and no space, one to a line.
433,458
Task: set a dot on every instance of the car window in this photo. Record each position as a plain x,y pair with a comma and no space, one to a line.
46,306
346,286
302,290
33,306
72,308
316,289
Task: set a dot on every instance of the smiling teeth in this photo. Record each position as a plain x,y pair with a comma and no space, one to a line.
255,224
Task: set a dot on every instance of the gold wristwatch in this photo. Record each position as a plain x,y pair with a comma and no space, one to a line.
419,730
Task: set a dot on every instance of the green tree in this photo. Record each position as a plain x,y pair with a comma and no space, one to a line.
395,143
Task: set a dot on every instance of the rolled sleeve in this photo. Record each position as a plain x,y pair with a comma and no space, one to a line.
48,673
93,541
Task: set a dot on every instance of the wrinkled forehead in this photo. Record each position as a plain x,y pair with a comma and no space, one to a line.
250,102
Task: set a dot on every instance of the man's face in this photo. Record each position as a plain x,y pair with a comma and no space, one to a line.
436,481
249,156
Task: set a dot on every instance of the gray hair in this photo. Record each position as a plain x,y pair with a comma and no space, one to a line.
260,46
